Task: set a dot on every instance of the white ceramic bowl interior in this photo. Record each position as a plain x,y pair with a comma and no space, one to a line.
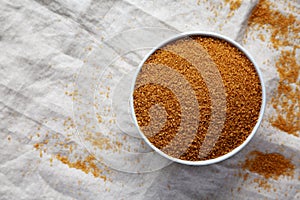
262,108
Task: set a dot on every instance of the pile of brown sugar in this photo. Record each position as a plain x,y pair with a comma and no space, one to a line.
243,94
269,165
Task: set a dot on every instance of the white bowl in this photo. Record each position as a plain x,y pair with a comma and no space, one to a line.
262,108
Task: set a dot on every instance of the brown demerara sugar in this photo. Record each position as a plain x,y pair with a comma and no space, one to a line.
283,28
242,91
269,165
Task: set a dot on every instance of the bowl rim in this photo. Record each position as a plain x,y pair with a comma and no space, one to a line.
262,108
